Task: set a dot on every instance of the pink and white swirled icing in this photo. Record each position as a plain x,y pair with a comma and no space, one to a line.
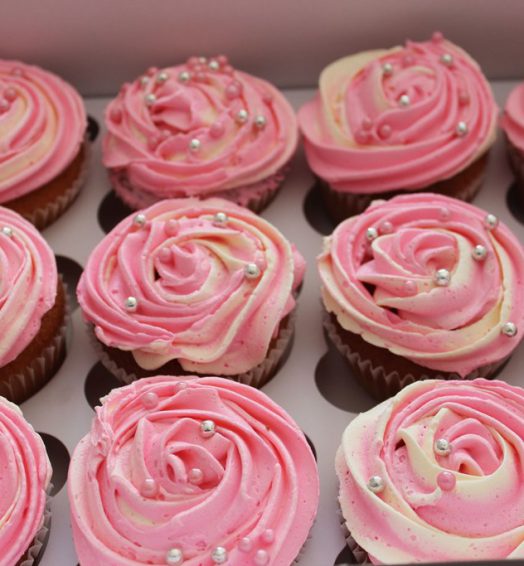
146,481
187,272
42,126
245,128
362,135
466,505
385,289
25,473
28,283
512,120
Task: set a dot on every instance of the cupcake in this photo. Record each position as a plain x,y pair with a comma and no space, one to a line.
43,144
200,129
25,474
422,286
415,118
512,123
182,470
33,309
435,474
191,286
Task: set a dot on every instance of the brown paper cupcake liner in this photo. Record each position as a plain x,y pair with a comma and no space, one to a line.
382,384
44,215
463,186
516,161
34,553
20,386
256,197
256,377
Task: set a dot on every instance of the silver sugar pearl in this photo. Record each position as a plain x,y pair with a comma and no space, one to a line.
447,59
242,116
376,484
195,144
479,252
404,100
461,129
220,218
219,555
491,221
214,65
509,329
162,77
144,81
260,122
442,277
387,69
202,60
252,271
207,428
371,234
149,99
131,304
174,557
442,447
184,76
196,476
7,231
140,220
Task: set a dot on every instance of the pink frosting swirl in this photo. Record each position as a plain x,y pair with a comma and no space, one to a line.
380,271
512,121
462,503
25,473
195,129
398,119
211,280
147,480
28,283
42,126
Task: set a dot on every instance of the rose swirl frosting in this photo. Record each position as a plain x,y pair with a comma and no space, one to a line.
28,283
42,126
25,473
191,471
402,118
197,128
430,278
203,282
435,474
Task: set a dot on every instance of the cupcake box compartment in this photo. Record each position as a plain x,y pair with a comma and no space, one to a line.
313,386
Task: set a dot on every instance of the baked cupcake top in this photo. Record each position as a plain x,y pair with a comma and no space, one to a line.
28,283
402,118
191,471
24,479
42,126
204,282
198,128
435,474
430,278
512,120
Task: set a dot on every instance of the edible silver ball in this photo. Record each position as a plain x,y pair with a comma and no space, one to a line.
139,220
162,77
491,221
214,65
174,556
260,122
144,81
252,271
387,69
242,116
195,144
404,100
442,277
479,252
184,76
371,234
376,484
442,447
447,59
7,231
461,129
220,218
219,555
207,428
149,99
131,304
509,329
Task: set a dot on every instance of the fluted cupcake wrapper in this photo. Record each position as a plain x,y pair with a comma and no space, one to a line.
34,553
46,215
255,196
382,384
516,161
256,377
20,386
463,186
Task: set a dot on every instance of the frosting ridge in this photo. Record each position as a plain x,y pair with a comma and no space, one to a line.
512,120
147,482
